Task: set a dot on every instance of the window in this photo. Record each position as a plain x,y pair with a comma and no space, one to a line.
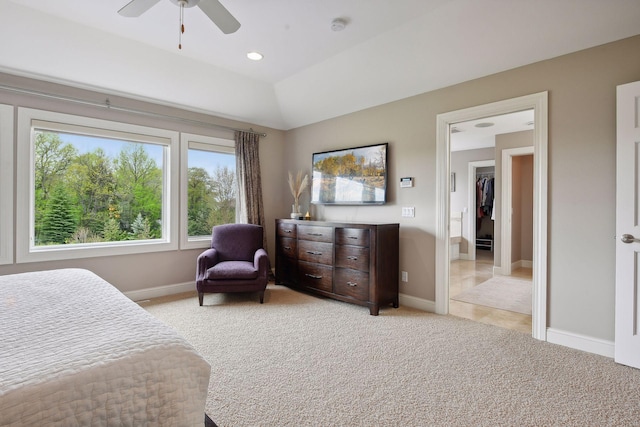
91,187
209,187
6,184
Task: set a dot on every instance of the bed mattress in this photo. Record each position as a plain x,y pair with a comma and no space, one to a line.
75,351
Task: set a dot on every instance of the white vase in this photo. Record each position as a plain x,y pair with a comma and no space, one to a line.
295,212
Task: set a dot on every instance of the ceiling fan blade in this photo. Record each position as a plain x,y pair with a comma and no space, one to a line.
219,15
136,8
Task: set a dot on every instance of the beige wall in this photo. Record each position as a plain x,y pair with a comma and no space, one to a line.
522,204
582,89
135,272
503,142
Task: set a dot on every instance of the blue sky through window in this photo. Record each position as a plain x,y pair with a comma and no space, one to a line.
111,147
210,161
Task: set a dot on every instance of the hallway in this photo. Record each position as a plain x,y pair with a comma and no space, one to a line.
466,274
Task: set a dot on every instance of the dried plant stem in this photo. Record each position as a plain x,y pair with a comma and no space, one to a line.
297,186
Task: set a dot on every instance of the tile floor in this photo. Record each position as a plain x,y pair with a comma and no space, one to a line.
465,274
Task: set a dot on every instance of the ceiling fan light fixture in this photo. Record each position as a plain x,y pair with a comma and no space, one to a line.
214,10
255,56
185,3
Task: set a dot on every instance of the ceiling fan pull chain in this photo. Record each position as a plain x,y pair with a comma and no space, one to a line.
181,25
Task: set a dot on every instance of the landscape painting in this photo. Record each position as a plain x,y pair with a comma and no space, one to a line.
350,176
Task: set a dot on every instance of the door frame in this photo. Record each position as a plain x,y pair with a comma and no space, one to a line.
506,212
471,217
539,103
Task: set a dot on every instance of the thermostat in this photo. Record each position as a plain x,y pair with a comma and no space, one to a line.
406,182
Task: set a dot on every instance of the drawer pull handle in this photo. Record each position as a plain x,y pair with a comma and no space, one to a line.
354,258
314,234
314,253
288,231
287,248
313,276
352,284
352,237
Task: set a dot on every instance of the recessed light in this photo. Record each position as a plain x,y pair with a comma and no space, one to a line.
484,124
255,56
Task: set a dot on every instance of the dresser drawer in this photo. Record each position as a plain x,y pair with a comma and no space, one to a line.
352,236
354,257
352,283
286,229
288,247
316,276
319,252
315,233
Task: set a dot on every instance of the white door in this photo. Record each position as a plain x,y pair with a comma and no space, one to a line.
627,345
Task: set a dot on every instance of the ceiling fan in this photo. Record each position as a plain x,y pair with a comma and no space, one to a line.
212,8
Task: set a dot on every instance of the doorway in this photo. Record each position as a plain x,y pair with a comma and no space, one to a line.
479,289
537,102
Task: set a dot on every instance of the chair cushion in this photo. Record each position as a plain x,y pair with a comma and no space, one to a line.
227,270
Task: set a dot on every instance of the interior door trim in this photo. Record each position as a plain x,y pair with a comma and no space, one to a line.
539,103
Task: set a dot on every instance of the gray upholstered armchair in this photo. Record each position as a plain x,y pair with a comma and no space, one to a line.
236,261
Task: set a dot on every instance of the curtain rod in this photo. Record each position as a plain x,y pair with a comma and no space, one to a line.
107,104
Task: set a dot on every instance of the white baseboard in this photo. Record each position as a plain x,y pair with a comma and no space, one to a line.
581,342
523,263
418,303
160,291
464,256
554,336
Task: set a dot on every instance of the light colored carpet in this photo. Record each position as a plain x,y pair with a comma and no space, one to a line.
298,360
502,292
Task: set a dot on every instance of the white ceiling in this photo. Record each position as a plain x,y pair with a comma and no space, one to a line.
389,50
481,133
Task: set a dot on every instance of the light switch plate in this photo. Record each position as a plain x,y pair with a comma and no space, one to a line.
408,212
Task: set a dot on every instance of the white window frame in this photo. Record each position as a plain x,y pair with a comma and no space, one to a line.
199,142
25,249
6,184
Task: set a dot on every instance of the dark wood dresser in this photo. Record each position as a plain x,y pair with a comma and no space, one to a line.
351,262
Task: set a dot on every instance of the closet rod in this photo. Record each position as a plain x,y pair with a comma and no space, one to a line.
107,104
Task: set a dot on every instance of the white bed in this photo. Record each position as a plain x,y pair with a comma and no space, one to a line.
74,351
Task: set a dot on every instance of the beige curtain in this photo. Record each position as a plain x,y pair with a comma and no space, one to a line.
250,209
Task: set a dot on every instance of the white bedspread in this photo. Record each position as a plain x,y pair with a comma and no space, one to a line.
75,351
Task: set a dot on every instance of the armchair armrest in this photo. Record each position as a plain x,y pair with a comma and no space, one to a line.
206,260
261,261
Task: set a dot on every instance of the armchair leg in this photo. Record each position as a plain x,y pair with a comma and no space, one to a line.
262,297
200,297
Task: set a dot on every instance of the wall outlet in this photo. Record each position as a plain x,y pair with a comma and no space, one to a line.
405,276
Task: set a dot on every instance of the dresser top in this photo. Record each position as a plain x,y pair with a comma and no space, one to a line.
337,223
